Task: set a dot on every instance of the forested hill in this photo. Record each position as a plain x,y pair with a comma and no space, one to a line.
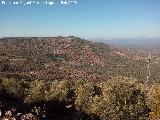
70,58
69,78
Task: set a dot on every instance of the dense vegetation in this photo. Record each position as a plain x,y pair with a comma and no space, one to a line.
74,79
117,98
71,58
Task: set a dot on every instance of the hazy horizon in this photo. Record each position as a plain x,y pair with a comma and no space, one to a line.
105,19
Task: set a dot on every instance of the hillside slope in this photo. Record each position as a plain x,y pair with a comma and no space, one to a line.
68,58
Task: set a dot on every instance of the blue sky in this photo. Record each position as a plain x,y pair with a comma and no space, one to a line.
91,19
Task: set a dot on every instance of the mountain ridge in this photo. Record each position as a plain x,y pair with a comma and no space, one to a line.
71,58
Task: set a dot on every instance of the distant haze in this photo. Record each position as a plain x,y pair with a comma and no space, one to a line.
135,43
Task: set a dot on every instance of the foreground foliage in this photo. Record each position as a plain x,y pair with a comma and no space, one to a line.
119,98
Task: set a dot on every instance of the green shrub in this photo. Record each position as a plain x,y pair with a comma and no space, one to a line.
12,87
154,101
84,96
127,100
36,92
59,90
121,98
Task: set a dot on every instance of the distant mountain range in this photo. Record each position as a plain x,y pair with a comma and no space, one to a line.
147,43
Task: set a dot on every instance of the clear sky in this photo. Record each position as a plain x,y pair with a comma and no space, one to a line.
104,19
